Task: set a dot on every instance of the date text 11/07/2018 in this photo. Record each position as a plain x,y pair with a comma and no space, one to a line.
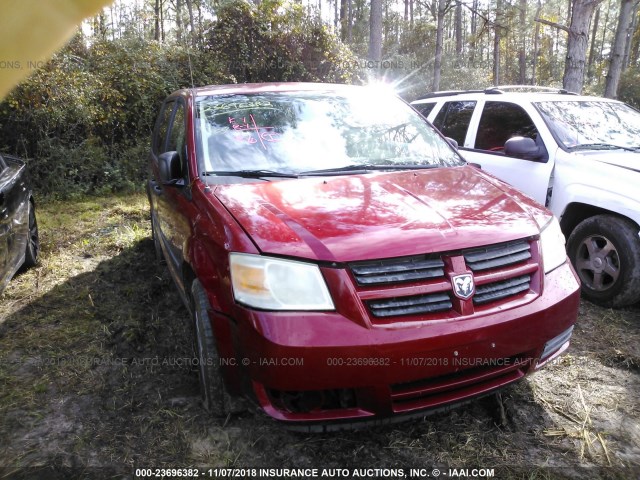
304,473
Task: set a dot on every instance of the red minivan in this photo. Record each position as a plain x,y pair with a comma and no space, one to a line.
341,262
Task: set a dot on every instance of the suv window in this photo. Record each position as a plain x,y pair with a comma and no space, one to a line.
499,122
163,128
453,119
425,108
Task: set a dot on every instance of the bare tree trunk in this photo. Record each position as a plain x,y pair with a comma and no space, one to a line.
536,45
162,34
605,28
474,29
406,10
437,61
635,44
156,19
632,28
617,53
200,28
573,79
375,31
574,66
592,50
344,18
350,22
496,43
191,22
411,13
522,54
458,32
179,21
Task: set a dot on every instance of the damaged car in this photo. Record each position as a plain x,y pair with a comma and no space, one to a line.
341,262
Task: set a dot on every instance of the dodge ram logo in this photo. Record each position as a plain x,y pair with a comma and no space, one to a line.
463,286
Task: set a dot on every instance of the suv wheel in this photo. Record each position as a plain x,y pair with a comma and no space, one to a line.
215,397
605,251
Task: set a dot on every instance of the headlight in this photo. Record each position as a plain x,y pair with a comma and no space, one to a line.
275,284
553,250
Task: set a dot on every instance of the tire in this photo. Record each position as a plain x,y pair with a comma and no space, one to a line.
215,397
605,252
33,241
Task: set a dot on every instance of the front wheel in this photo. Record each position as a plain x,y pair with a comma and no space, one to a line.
605,251
215,397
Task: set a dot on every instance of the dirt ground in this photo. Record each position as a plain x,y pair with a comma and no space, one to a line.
95,381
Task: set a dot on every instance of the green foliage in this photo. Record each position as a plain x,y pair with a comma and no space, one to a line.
268,43
629,87
80,119
84,120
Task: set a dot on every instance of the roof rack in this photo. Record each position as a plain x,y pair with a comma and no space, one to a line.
527,88
499,90
446,93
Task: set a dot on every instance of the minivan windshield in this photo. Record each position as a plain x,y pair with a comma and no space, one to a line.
319,131
593,124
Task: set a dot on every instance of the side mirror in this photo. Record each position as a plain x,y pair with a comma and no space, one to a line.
522,147
453,142
170,168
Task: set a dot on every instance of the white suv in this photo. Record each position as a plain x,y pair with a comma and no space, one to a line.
578,155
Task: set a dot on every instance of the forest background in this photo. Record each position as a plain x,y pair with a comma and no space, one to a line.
83,120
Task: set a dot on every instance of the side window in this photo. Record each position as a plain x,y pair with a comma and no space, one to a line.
453,119
425,108
499,122
176,141
160,139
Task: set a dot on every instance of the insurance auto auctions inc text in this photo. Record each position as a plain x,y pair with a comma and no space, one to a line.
345,473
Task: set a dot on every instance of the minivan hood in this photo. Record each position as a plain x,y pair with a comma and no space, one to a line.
381,215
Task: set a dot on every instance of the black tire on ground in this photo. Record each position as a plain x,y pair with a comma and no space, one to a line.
33,241
605,251
215,397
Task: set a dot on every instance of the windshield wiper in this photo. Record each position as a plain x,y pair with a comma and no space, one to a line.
364,168
251,174
602,146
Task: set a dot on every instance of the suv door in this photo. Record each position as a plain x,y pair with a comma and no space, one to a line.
495,122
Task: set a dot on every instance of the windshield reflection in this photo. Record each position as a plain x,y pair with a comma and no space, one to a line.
576,123
307,131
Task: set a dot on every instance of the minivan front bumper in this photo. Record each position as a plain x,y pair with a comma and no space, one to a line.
324,367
